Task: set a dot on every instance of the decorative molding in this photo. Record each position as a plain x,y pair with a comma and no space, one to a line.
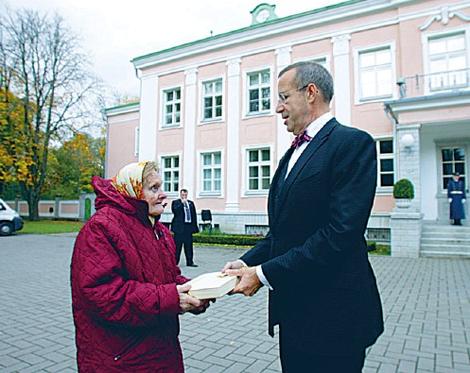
444,17
340,44
190,76
233,67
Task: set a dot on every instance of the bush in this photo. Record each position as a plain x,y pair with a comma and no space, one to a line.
226,239
403,189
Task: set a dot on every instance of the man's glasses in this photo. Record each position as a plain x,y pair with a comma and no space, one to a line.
282,97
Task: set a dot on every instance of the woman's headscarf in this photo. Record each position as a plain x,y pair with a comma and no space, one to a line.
129,182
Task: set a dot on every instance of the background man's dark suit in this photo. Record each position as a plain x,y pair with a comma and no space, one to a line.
183,231
325,296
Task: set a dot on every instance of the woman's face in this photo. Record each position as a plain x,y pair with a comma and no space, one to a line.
153,194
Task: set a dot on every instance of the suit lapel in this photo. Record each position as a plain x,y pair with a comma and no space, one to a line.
307,154
276,183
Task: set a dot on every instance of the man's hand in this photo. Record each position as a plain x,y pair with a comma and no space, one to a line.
189,303
237,264
249,282
450,200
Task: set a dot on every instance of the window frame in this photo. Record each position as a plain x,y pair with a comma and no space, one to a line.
358,98
259,164
202,120
426,37
245,171
136,141
388,188
200,169
162,158
163,91
246,97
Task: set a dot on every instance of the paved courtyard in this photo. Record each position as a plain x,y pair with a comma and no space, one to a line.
426,307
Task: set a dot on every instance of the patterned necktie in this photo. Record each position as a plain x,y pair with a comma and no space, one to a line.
300,139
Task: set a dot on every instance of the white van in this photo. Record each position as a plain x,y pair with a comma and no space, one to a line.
10,220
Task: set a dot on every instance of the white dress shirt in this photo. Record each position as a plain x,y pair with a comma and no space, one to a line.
312,130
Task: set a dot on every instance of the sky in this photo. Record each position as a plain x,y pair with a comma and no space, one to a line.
114,32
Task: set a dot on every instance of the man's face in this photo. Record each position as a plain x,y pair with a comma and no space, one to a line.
292,103
183,195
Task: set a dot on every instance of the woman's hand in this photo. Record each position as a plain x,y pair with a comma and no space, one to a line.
189,303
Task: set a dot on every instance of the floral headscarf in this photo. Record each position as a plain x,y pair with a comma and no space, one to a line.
129,180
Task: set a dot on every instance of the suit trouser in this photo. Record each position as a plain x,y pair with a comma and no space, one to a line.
185,238
299,359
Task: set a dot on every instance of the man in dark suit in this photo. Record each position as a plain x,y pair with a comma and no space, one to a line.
323,292
183,225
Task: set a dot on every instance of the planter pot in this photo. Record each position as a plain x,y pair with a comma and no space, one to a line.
403,203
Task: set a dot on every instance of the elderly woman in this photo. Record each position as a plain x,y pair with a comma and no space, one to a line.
127,290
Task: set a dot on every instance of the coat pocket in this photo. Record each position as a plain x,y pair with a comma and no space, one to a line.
128,347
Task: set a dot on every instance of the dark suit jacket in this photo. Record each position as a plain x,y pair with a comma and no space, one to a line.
325,295
177,224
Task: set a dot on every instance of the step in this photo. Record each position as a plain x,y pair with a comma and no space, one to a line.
445,241
446,248
444,254
445,228
458,235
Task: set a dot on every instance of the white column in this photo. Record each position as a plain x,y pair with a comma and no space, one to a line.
283,59
232,174
189,125
342,78
148,123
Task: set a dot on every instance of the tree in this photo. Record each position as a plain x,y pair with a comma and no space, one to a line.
72,165
43,67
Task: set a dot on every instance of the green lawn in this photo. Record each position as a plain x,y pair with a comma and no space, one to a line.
50,226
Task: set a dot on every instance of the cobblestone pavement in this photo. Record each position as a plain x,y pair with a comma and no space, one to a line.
426,306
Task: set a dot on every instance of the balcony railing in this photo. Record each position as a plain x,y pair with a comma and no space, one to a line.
427,84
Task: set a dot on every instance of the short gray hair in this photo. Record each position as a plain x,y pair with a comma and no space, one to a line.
311,72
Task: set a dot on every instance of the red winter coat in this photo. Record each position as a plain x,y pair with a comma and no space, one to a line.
124,297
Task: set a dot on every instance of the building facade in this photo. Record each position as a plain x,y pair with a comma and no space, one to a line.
207,108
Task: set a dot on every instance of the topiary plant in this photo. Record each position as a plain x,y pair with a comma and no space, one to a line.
403,189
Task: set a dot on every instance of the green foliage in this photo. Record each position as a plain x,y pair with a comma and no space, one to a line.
71,167
226,239
403,189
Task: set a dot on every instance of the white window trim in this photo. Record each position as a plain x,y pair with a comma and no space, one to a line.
200,193
244,171
162,125
448,143
245,105
136,141
425,36
327,58
200,114
357,89
387,190
171,154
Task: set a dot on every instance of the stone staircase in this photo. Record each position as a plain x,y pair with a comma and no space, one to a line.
439,240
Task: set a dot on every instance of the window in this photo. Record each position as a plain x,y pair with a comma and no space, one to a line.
447,62
212,99
259,92
259,169
211,172
171,173
375,74
453,160
385,172
172,107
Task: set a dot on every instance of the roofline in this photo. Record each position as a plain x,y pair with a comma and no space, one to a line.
142,60
122,109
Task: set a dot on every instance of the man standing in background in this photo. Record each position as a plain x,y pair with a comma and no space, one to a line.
183,225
